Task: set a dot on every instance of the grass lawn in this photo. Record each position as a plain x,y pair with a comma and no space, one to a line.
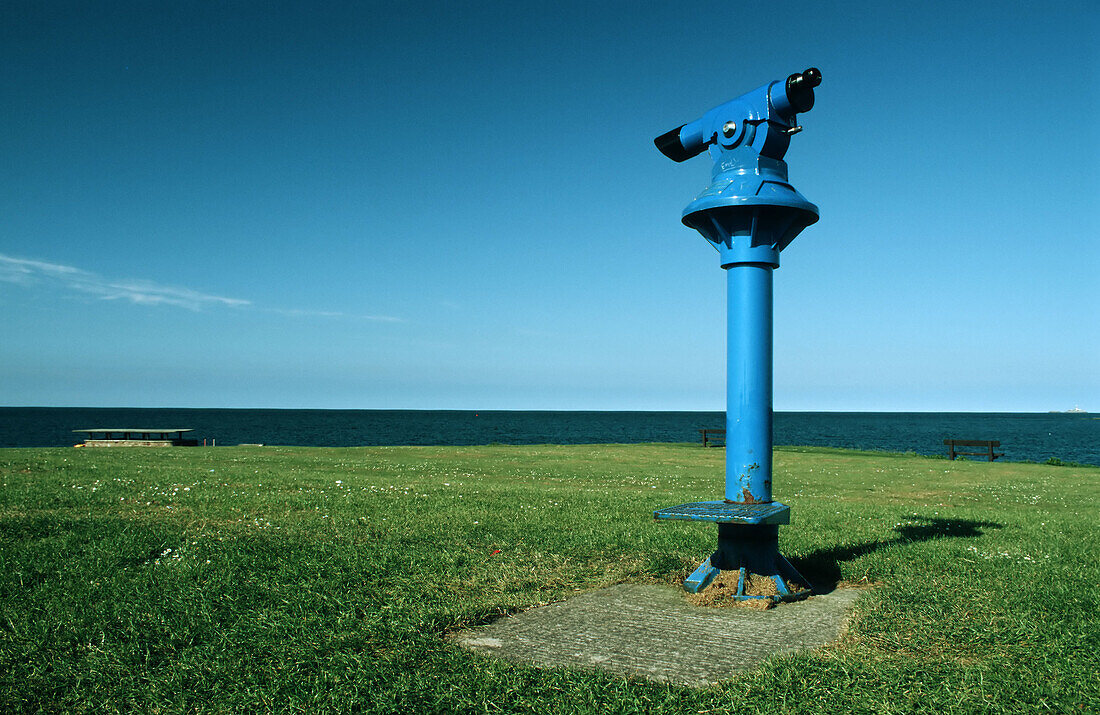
307,579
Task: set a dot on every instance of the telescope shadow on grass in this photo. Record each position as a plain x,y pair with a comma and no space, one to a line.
822,567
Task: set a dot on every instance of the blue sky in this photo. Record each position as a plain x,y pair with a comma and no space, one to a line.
451,206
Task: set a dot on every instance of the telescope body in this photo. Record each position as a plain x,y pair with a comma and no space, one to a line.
749,213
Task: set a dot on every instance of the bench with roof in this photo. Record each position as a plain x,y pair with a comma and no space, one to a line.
136,437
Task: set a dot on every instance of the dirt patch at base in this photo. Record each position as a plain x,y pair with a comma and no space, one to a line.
722,591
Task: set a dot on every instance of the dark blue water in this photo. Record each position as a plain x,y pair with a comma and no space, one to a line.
1024,437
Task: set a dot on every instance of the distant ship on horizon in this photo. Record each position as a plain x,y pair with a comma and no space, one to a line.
1075,411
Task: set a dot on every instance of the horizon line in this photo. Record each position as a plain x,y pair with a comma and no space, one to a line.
495,409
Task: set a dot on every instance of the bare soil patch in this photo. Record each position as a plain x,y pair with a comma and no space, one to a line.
722,592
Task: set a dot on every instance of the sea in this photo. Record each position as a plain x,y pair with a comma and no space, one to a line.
1069,437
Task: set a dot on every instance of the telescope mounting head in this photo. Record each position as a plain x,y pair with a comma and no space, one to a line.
761,121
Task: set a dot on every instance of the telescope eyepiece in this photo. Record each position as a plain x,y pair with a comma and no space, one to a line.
670,145
800,89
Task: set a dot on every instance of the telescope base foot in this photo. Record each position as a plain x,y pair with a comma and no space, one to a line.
786,586
751,554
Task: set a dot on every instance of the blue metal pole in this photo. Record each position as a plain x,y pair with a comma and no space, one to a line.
749,383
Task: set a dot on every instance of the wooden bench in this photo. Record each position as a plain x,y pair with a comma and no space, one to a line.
712,437
986,444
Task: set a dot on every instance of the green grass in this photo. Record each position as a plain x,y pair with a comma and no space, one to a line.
302,579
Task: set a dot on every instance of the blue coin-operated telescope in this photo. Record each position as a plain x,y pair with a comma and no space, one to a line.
749,213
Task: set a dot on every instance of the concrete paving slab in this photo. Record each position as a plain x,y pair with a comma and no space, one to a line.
653,632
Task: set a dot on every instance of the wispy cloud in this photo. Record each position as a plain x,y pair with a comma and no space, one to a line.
26,272
300,313
30,273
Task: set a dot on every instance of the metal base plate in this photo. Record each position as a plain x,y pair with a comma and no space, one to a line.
728,512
